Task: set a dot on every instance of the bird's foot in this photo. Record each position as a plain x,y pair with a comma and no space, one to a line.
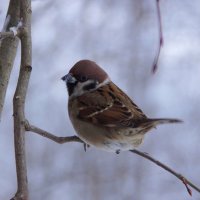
85,146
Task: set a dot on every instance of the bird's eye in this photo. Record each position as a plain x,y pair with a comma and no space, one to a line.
83,78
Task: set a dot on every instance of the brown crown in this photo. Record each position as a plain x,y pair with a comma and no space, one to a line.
89,69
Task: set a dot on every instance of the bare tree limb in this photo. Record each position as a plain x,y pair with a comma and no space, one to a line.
62,140
19,101
8,49
161,40
50,136
185,181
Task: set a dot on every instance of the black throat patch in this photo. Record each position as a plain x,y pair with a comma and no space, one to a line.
70,87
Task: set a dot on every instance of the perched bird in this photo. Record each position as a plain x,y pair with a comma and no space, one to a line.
101,113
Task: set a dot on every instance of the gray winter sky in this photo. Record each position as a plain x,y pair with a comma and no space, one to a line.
122,37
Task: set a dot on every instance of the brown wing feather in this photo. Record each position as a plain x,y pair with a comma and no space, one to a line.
104,108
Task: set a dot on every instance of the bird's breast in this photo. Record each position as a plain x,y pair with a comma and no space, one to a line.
109,139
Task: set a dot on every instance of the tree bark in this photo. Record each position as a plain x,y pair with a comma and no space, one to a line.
19,101
8,49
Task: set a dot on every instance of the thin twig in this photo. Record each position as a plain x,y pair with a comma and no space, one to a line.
185,181
50,136
161,40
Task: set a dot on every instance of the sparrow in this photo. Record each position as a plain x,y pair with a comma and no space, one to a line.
101,113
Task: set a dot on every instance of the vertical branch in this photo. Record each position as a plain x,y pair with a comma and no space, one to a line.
155,63
8,49
19,101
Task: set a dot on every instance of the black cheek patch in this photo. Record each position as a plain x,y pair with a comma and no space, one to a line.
70,87
90,86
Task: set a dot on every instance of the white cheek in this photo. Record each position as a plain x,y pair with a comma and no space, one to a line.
78,90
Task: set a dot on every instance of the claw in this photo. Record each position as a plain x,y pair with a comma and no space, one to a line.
85,146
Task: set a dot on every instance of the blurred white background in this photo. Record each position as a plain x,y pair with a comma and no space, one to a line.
122,37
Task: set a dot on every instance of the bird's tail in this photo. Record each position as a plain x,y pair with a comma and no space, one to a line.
157,121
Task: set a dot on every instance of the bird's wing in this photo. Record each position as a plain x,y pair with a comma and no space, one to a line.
110,107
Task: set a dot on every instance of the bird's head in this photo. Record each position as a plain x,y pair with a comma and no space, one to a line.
85,76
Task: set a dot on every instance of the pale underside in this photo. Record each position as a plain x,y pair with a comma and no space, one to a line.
109,139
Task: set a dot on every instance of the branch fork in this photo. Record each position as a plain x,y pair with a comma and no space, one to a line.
15,31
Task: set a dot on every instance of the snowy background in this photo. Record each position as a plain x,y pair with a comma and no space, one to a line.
122,37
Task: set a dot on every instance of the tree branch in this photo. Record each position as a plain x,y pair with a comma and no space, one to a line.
8,49
19,101
155,63
50,136
62,140
185,181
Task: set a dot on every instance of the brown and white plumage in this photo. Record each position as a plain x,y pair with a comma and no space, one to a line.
101,113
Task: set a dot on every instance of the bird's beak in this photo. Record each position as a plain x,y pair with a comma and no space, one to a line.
68,78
